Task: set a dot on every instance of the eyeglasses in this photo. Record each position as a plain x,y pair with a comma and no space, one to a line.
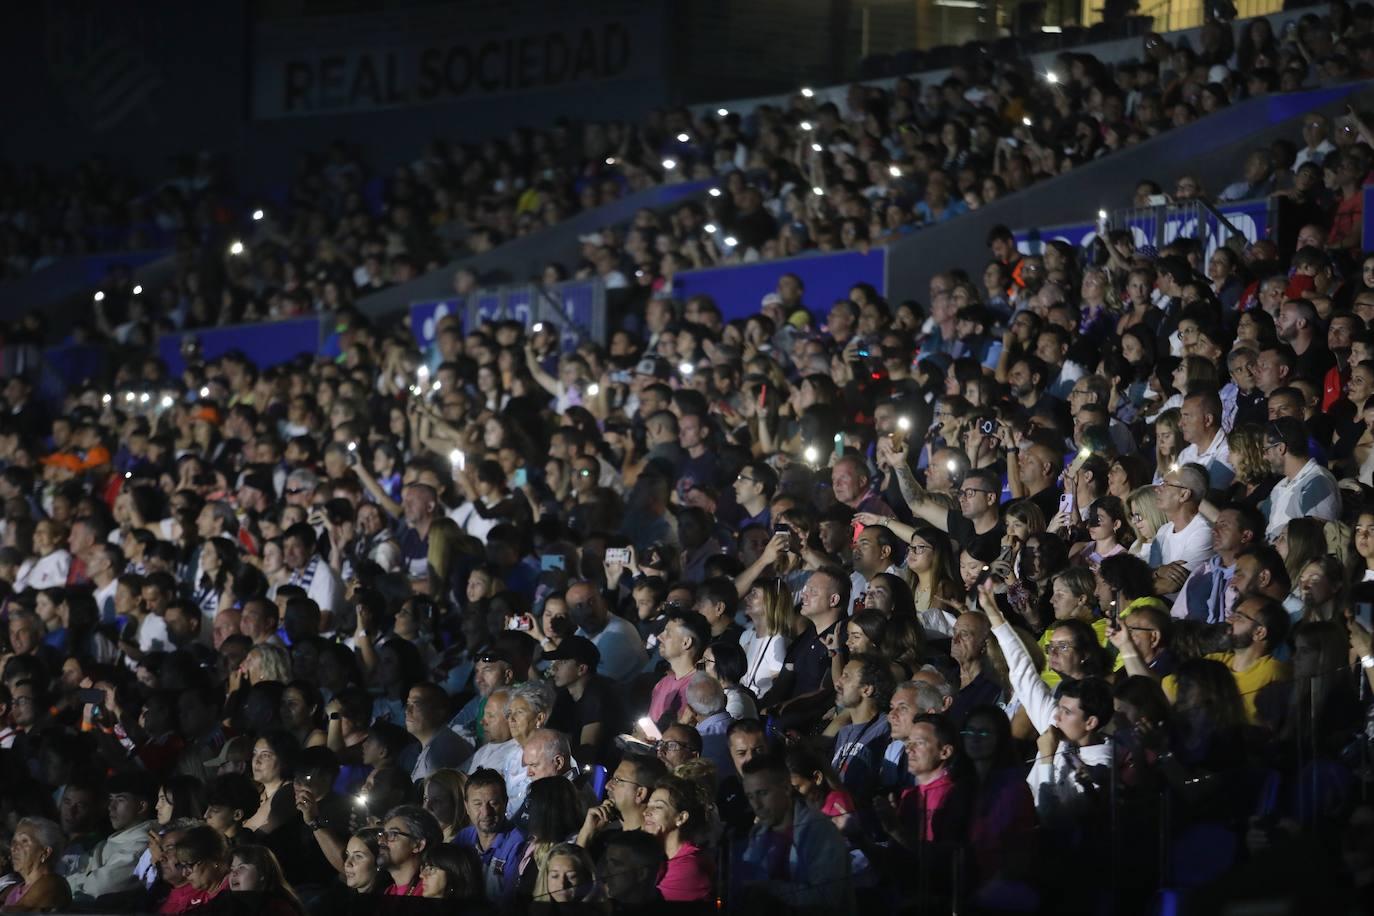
1271,445
296,491
970,492
1056,648
390,835
921,548
742,479
1236,612
617,781
187,867
671,746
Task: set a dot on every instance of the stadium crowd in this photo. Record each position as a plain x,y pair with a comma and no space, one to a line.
811,175
1046,594
884,605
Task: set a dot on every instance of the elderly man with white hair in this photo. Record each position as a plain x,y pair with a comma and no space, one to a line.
705,710
548,753
1185,540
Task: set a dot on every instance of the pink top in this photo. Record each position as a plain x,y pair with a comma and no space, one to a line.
923,800
688,876
414,889
668,694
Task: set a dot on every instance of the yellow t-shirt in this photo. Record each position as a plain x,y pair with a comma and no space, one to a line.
1256,685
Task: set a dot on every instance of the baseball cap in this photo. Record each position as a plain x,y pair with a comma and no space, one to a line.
578,649
656,366
492,654
239,748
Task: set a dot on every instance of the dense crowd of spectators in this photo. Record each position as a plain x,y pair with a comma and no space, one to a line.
810,175
1047,594
846,604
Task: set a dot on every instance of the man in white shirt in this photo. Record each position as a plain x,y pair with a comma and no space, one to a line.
501,752
53,561
1200,423
1185,540
1307,489
312,573
1316,131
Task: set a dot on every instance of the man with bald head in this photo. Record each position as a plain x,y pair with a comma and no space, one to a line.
546,753
978,683
1034,475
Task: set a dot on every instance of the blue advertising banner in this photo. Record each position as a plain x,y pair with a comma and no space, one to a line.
573,306
268,344
426,314
739,289
1159,226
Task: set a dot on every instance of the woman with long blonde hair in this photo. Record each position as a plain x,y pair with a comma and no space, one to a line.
1146,518
1168,442
770,607
447,543
566,876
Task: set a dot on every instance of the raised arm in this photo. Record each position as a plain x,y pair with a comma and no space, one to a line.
542,378
1035,696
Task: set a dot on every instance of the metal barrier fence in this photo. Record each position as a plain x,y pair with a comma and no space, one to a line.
1213,225
1154,227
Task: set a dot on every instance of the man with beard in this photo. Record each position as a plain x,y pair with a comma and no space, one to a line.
1027,378
1259,625
407,833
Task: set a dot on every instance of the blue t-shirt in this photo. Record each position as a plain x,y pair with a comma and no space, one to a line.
858,756
500,860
